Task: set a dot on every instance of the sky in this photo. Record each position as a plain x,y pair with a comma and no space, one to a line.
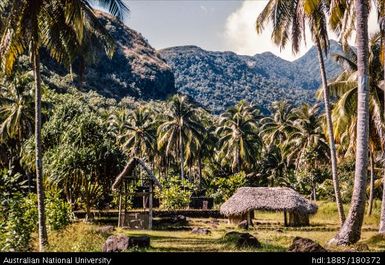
215,25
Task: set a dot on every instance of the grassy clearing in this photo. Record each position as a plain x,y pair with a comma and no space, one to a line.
268,230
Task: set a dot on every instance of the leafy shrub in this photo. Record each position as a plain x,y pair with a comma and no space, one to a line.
58,211
21,217
19,224
223,188
346,179
175,193
17,218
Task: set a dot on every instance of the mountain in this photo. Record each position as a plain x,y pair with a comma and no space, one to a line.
136,69
218,80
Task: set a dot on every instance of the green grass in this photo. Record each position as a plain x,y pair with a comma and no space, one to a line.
269,231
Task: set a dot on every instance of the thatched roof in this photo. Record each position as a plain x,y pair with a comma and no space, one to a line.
269,199
129,168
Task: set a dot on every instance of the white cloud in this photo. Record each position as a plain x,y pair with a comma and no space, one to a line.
240,35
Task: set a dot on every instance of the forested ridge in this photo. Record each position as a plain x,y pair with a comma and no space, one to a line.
218,80
84,101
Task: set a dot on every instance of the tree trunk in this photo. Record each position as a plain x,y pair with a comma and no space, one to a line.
199,171
82,67
314,191
71,72
350,232
371,194
120,207
43,238
88,212
150,204
329,121
382,217
238,160
181,154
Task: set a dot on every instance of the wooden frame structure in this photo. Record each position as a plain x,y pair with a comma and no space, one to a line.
121,185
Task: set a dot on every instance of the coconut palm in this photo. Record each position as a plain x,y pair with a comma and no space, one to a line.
350,232
16,118
202,146
179,130
30,25
139,136
276,166
239,142
117,8
380,5
275,127
306,135
306,146
289,20
16,108
116,124
344,88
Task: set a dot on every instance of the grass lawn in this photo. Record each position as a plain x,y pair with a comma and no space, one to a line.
268,230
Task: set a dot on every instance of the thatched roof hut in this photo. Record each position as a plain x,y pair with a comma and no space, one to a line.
129,168
248,199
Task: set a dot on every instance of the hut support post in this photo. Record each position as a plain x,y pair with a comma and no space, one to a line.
248,218
120,208
150,206
285,218
125,203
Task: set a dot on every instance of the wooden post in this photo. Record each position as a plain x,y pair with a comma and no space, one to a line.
150,206
248,218
144,196
120,207
285,218
125,204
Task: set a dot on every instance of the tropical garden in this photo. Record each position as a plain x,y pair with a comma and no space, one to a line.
61,152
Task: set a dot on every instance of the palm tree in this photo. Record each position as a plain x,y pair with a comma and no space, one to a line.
139,137
30,25
16,108
239,141
344,88
288,18
350,232
116,125
16,118
306,135
207,143
179,129
117,8
381,19
275,165
275,128
306,146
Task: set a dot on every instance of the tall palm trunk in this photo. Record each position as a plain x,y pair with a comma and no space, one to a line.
199,170
350,232
329,121
71,72
238,158
371,185
43,238
382,217
181,154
